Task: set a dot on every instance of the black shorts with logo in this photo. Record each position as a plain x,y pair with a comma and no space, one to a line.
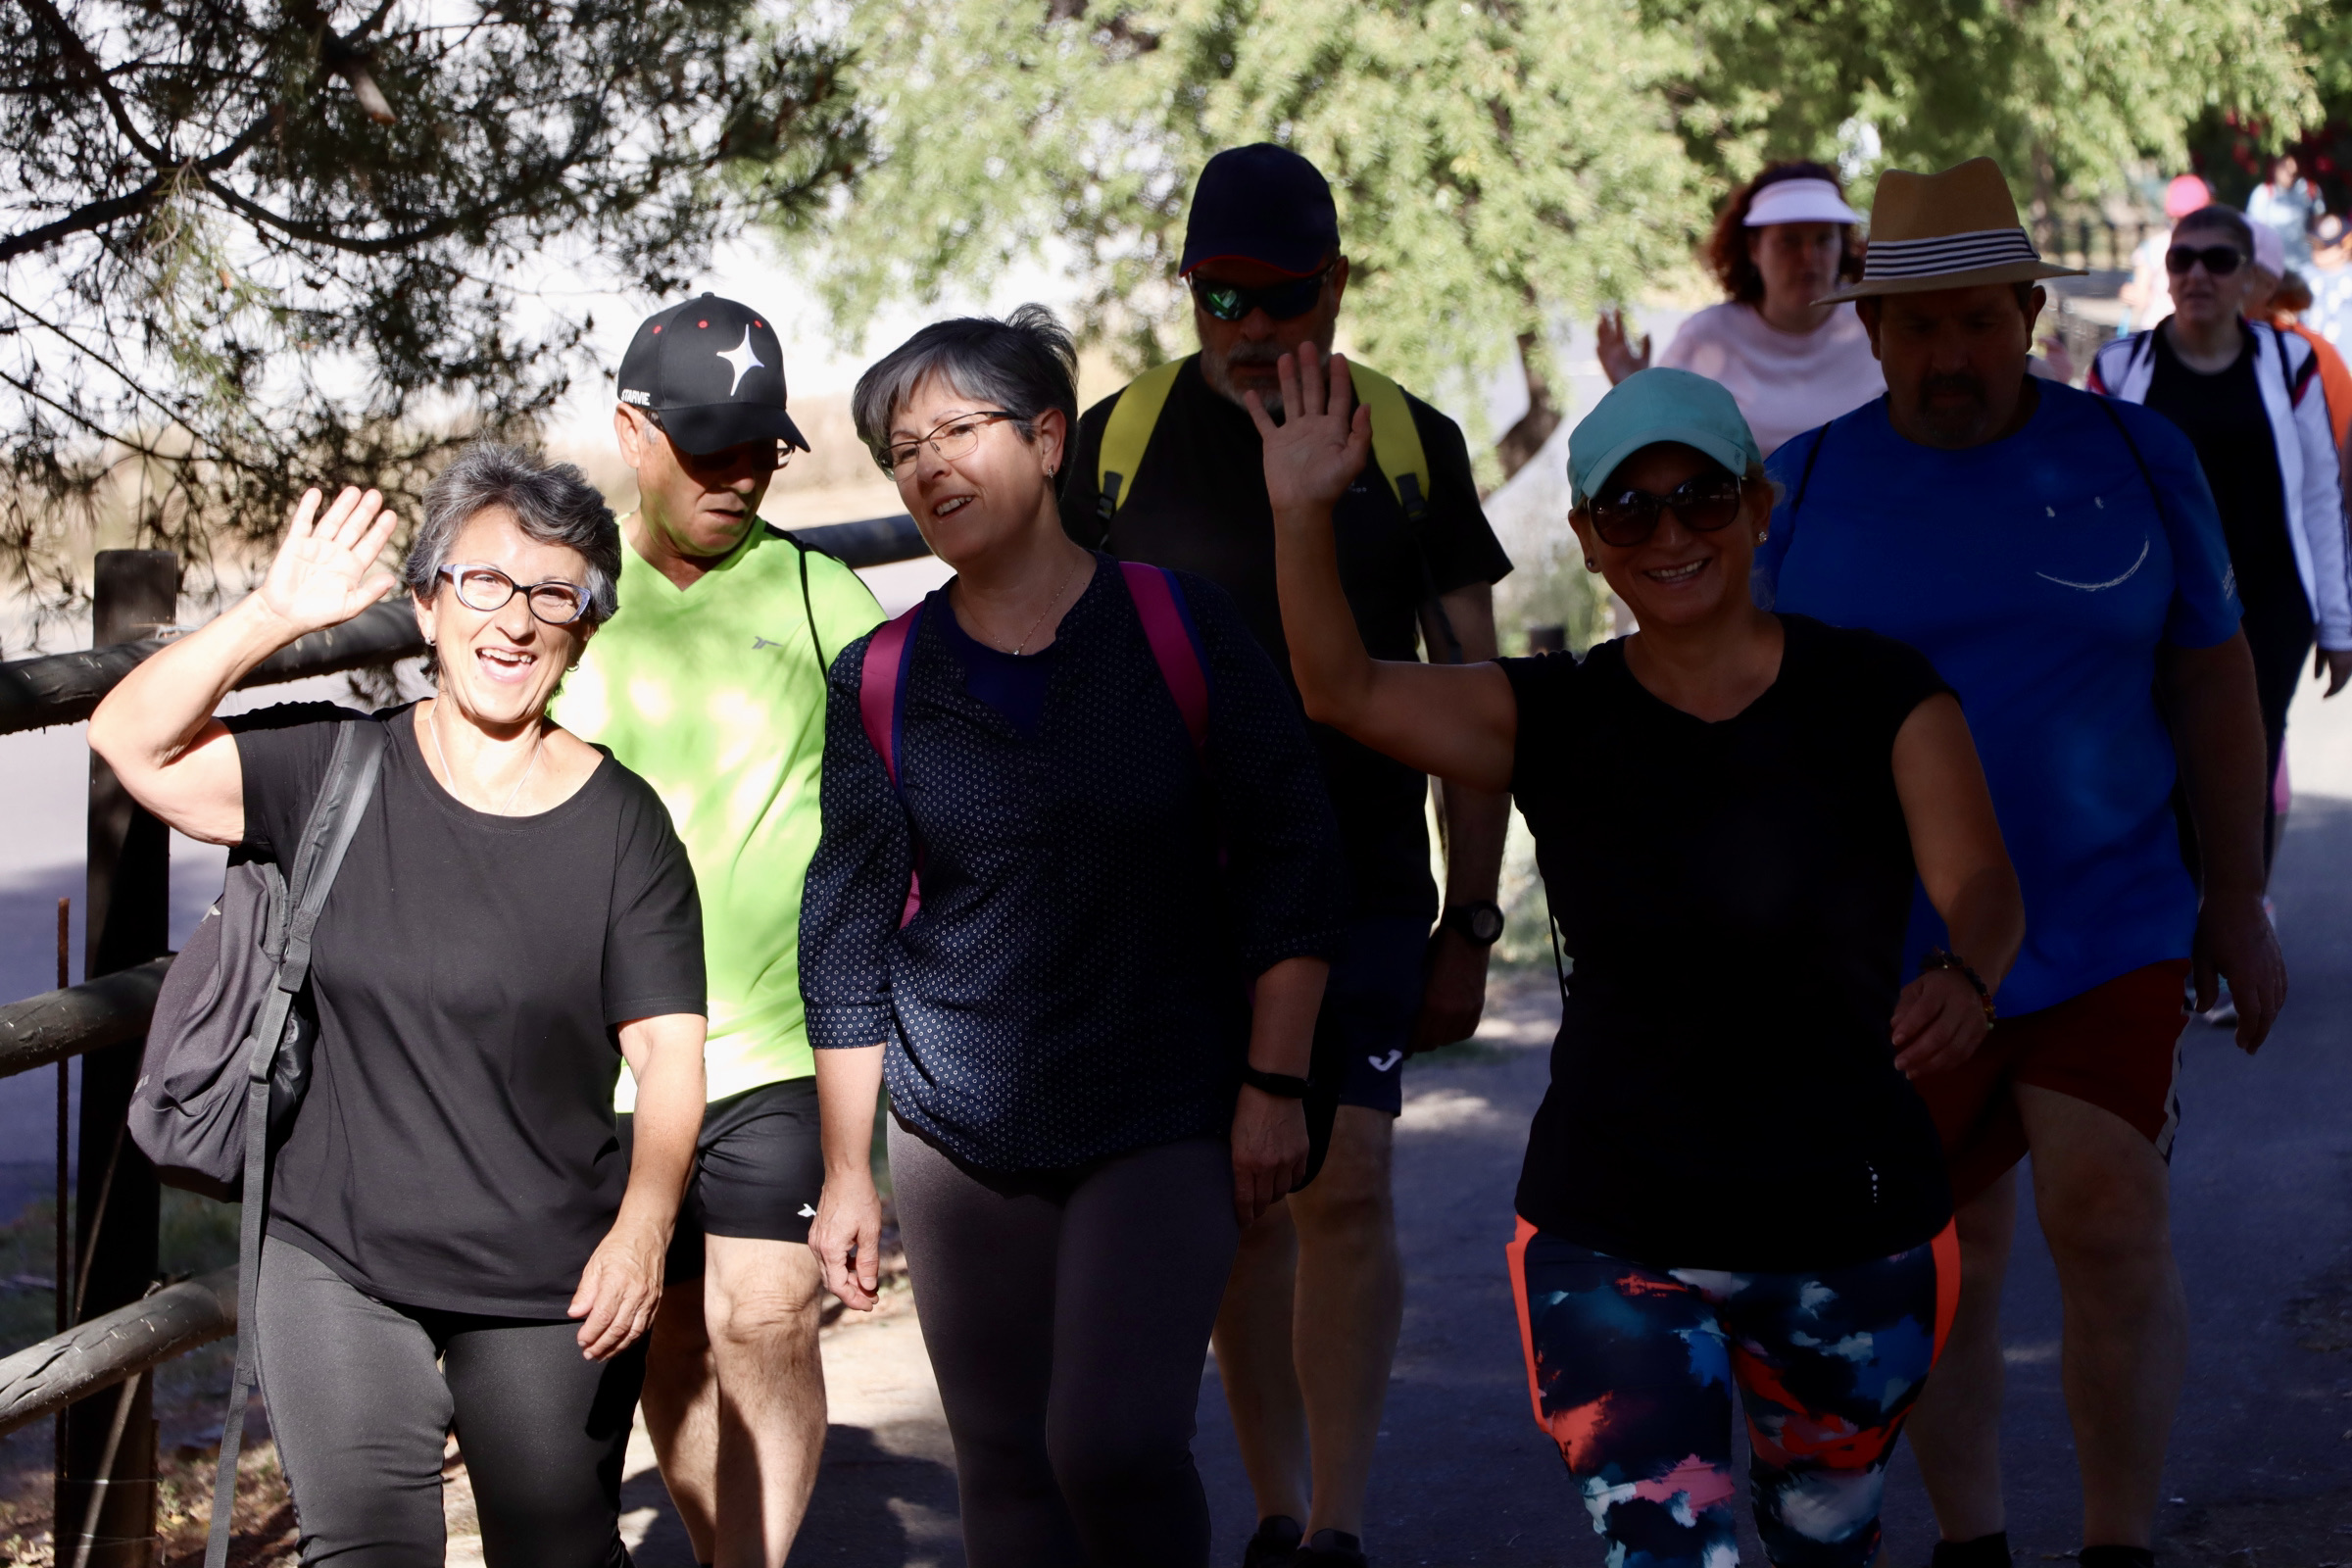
759,1167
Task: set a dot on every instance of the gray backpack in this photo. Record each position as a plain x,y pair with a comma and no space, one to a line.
229,1051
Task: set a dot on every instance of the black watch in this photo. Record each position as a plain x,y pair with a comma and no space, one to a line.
1480,923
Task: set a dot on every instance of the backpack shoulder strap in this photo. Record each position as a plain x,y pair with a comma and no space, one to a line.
882,687
1395,439
2146,477
882,710
1175,643
1804,477
352,770
1127,432
351,774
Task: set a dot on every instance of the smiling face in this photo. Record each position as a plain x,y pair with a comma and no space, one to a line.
968,505
1799,263
701,503
1679,576
1238,357
1954,359
2200,299
501,667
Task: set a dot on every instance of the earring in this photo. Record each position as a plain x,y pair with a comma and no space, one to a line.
1761,537
1590,565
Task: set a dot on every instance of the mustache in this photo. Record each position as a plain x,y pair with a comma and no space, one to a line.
1956,385
1265,353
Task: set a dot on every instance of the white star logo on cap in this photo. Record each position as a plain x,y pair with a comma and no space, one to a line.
744,358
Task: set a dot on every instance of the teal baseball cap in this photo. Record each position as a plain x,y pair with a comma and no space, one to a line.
1654,406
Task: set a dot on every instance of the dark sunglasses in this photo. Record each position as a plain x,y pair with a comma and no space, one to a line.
2219,260
1230,302
1703,505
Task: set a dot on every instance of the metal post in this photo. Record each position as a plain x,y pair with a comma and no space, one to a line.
105,1499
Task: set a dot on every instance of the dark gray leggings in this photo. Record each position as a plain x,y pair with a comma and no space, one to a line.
1067,1315
361,1395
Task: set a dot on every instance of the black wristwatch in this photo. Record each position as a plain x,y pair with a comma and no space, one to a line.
1480,923
1281,1085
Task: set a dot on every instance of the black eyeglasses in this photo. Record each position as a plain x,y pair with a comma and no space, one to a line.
2219,260
1704,505
486,588
1230,302
956,438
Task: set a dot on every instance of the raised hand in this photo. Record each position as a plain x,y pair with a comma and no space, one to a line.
1614,346
325,572
1324,438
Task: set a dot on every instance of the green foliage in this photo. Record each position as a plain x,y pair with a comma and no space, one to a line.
247,245
2068,94
1498,163
1492,162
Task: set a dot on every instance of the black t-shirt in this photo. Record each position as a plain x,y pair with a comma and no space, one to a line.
1732,897
2223,415
456,1149
1198,503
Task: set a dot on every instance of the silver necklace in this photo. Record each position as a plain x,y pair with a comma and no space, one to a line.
1051,601
538,741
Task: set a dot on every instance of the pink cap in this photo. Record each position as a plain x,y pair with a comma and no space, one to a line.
2184,195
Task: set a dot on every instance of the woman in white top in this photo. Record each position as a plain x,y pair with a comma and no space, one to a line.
1782,241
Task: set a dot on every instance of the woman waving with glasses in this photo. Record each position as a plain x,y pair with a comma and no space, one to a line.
1730,1178
456,1241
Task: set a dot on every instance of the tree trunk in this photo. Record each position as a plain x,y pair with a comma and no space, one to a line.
1523,440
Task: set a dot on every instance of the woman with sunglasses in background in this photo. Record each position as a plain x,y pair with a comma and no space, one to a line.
2250,399
455,1240
1730,1178
1073,902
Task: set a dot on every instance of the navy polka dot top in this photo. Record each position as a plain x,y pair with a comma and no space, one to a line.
1075,985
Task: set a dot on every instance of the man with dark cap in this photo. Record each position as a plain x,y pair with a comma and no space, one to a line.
710,684
1168,471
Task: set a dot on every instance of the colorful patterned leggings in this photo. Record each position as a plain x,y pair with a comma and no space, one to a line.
1631,1369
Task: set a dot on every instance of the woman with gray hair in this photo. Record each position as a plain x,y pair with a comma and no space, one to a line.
456,1241
1074,900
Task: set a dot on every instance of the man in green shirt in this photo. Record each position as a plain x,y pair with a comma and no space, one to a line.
710,684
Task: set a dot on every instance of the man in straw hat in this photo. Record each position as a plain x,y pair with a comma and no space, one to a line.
2059,557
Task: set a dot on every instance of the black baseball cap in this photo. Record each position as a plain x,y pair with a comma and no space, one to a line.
1262,203
713,373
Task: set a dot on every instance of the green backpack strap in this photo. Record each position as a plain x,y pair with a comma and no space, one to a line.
1127,433
1395,439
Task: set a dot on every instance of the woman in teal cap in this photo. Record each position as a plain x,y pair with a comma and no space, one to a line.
1730,1178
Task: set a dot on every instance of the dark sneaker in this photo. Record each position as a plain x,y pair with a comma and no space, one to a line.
1333,1549
1276,1544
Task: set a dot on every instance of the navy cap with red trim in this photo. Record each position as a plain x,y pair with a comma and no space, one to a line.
712,371
1264,204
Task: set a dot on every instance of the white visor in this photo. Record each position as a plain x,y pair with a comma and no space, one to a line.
1800,201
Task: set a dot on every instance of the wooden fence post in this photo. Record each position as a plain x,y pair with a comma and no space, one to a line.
106,1488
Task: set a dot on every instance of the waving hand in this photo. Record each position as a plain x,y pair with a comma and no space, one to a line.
325,572
1320,447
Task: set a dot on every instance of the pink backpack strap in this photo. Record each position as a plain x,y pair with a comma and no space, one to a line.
881,709
1167,627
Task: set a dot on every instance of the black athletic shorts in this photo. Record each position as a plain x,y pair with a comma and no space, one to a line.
758,1169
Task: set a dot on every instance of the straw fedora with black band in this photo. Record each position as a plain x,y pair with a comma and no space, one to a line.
1950,231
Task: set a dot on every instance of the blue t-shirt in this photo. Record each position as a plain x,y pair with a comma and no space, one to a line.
2039,575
